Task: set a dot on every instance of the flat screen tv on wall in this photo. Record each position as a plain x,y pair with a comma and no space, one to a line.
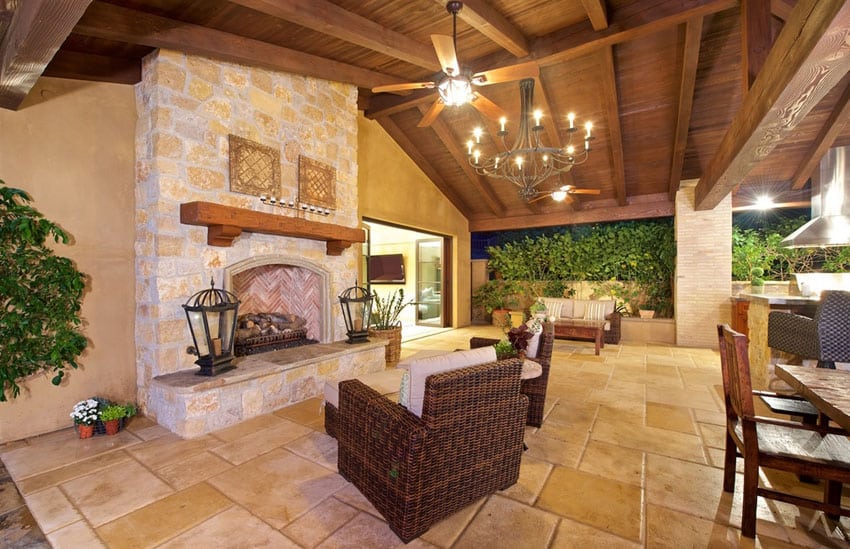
386,269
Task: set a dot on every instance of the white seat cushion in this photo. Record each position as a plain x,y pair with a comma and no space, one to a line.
386,382
422,368
405,363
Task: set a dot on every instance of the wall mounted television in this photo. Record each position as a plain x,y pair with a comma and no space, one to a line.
386,269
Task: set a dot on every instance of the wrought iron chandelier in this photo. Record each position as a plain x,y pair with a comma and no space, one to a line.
529,162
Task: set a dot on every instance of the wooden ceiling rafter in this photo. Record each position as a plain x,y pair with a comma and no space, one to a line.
756,39
423,164
459,155
482,17
597,13
781,96
112,22
825,139
387,104
98,68
615,134
34,34
781,9
687,84
332,20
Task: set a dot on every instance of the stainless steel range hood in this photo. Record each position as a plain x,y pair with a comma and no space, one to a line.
830,224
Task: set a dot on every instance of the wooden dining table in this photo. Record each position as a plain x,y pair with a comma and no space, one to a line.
827,389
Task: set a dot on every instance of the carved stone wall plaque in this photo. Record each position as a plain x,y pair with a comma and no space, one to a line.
316,183
254,168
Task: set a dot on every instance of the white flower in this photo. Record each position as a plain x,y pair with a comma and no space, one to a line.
85,412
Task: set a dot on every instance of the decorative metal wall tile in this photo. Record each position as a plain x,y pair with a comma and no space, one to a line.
254,168
316,183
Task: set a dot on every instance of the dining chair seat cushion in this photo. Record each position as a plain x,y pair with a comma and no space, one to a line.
422,368
790,406
793,442
385,382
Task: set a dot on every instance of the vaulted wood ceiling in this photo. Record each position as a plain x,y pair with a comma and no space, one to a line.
742,96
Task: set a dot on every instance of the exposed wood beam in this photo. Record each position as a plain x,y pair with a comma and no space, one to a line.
332,20
826,137
781,9
492,24
690,62
597,13
806,61
125,25
612,117
98,68
36,31
579,40
594,215
756,39
419,159
451,143
384,104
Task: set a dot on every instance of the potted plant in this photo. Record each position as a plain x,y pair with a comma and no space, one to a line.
519,338
385,323
112,414
538,309
494,296
504,349
85,415
756,280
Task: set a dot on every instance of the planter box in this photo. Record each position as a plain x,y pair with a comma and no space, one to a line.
645,330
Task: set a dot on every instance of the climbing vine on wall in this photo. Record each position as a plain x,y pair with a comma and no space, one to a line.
40,296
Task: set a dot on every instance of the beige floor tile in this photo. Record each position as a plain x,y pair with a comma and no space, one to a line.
669,528
713,436
164,519
317,447
714,418
52,509
9,496
503,522
613,462
166,450
195,468
350,495
650,439
692,397
234,528
278,486
607,504
139,423
683,486
318,523
247,427
532,476
79,469
75,536
308,412
672,418
447,531
152,432
553,450
572,534
110,493
365,530
256,443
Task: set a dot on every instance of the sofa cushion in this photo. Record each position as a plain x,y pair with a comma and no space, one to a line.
386,382
553,307
428,366
595,311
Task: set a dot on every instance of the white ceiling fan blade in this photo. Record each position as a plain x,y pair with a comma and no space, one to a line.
445,48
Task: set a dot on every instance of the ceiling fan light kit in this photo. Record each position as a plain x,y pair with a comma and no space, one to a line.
528,163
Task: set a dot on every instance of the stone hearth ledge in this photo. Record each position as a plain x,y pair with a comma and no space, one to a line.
190,405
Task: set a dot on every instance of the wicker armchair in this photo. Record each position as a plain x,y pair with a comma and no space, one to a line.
418,471
534,389
826,337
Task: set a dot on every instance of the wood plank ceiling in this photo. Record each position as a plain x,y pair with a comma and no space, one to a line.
743,96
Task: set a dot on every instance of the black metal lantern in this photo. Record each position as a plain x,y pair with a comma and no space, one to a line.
212,321
356,303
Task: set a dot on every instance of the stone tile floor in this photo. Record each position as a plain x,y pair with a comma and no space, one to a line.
629,455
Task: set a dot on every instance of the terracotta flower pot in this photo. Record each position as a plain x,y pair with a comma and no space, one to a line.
112,426
85,431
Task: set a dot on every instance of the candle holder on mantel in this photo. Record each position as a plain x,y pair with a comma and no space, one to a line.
212,320
293,205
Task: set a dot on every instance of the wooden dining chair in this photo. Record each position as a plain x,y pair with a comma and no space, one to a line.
808,450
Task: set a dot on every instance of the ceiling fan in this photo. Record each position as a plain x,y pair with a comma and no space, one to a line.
563,193
455,87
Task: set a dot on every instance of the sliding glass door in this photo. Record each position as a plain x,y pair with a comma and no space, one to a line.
429,282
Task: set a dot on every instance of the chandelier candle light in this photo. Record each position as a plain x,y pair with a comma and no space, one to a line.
529,162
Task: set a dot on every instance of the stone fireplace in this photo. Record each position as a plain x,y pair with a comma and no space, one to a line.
187,106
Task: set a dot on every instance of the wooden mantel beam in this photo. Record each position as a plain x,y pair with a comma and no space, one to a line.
808,59
225,223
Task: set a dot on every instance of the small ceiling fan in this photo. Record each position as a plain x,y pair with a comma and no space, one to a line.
563,193
455,86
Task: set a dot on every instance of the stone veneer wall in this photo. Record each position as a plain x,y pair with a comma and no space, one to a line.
703,270
187,106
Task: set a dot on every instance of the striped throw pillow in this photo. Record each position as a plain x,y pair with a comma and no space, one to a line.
594,311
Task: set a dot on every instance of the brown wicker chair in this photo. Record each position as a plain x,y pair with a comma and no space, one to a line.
418,471
534,389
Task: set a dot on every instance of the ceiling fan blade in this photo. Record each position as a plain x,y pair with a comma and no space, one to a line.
402,87
445,48
583,191
432,114
529,69
487,107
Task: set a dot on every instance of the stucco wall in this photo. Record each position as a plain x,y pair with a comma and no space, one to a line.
70,146
394,190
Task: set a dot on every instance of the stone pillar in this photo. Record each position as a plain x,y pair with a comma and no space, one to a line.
703,270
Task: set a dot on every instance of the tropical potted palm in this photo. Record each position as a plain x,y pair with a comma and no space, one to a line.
495,296
385,323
